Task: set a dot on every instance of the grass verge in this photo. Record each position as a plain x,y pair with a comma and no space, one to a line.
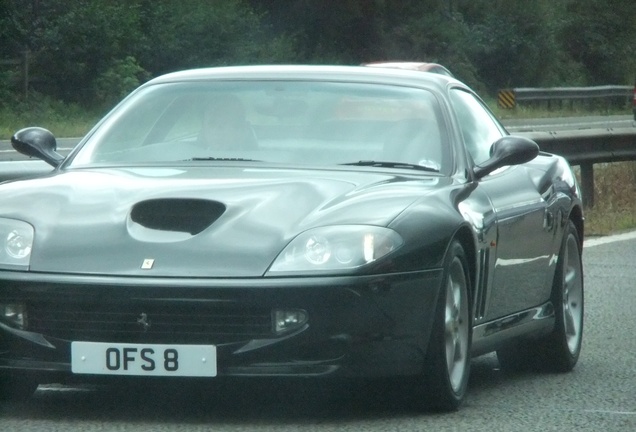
63,120
614,199
574,109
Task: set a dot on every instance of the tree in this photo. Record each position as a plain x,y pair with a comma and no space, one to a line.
193,33
78,40
86,50
513,43
601,37
80,48
329,31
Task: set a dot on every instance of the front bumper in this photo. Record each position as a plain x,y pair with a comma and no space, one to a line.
362,326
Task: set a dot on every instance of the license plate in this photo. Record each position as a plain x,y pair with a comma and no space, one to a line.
143,359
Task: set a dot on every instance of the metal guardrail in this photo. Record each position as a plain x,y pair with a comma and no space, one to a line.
10,170
587,147
508,98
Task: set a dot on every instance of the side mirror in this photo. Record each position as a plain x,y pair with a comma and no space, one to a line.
508,150
37,142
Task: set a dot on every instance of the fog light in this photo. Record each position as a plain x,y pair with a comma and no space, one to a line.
287,320
14,314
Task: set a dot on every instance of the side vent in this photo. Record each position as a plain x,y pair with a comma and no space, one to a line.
482,284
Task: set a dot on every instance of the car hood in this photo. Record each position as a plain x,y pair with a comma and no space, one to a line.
203,221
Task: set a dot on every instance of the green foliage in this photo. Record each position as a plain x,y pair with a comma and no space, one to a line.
6,90
331,31
513,43
92,52
601,37
78,42
182,34
62,118
430,31
118,80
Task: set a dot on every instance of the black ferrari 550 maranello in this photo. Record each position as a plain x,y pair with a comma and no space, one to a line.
309,221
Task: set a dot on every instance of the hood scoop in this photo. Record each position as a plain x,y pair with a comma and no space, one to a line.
172,219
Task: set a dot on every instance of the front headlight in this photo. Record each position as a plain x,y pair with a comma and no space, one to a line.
336,248
16,242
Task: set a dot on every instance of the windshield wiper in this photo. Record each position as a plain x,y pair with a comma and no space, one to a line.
383,164
229,159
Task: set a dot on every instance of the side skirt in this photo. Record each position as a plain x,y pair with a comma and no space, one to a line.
533,322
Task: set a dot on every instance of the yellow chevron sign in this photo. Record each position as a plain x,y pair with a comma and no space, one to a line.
506,99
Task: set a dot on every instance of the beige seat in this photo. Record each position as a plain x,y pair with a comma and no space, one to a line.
415,141
225,127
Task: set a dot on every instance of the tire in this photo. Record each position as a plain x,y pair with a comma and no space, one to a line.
560,350
17,388
447,364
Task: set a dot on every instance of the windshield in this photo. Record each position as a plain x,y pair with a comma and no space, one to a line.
312,123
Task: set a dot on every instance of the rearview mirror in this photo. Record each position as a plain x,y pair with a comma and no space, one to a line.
37,142
508,150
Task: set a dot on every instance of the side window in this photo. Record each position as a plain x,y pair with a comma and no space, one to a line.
478,127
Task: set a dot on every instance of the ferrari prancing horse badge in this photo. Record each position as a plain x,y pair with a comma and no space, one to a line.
147,264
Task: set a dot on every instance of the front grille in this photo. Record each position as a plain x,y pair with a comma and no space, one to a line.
184,323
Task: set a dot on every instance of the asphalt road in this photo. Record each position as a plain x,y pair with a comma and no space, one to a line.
599,395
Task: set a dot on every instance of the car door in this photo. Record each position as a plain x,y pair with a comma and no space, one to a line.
524,235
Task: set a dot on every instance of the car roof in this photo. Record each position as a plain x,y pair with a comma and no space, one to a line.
309,72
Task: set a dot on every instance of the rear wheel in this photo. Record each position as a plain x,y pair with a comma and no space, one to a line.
447,365
559,351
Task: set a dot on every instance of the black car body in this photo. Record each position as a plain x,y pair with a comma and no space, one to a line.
373,222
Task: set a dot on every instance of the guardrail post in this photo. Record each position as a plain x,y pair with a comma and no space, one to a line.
506,99
587,184
634,100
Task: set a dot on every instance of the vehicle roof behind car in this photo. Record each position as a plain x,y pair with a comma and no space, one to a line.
417,66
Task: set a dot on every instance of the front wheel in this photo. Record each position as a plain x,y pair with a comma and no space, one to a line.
447,364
